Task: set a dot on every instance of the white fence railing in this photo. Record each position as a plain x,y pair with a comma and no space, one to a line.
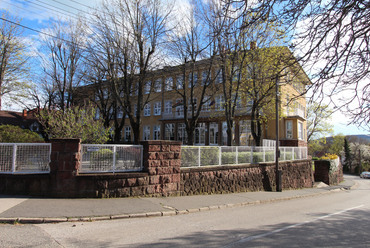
24,158
195,156
111,158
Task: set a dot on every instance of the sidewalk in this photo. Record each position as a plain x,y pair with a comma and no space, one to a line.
47,210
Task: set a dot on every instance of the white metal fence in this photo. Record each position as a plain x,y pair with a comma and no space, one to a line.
24,158
111,158
194,156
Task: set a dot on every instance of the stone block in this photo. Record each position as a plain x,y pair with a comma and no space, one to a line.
154,148
175,163
175,148
154,163
154,180
131,182
165,163
166,148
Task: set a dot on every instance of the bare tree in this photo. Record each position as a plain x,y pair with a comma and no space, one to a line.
62,61
133,30
13,59
191,44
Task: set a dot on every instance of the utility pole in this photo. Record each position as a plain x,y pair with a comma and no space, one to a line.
277,151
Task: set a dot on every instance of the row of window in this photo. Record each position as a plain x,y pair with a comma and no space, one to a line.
245,134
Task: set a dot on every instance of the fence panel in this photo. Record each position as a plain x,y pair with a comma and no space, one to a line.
25,158
110,158
193,156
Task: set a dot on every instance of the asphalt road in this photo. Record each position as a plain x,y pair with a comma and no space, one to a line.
338,219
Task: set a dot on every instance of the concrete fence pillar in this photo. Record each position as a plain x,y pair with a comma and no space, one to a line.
162,161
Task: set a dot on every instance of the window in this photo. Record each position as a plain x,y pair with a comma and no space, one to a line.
205,78
127,135
147,86
119,113
289,129
157,108
146,133
179,82
200,134
249,106
219,76
179,108
238,101
169,131
236,74
213,133
135,89
157,132
220,102
169,84
192,105
193,79
207,103
245,133
158,85
168,107
181,133
300,131
147,109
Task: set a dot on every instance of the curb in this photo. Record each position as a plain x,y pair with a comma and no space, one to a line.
48,220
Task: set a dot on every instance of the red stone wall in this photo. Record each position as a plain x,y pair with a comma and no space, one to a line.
243,178
323,173
161,176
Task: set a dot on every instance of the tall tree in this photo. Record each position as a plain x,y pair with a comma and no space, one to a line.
13,59
62,60
190,42
318,121
134,30
347,155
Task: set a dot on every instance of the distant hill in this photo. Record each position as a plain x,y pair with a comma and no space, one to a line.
360,138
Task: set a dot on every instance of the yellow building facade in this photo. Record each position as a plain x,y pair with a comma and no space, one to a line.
163,115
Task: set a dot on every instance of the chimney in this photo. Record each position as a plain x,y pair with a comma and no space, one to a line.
253,45
24,114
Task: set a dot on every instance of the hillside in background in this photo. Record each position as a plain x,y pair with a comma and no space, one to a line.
361,138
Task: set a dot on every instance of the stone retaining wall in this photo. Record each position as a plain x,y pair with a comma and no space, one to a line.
243,178
326,171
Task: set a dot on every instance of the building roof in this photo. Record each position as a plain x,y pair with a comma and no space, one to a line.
22,119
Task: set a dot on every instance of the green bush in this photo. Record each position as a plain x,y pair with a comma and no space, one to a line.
15,134
209,156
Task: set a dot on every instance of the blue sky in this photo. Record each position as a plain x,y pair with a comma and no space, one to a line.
38,15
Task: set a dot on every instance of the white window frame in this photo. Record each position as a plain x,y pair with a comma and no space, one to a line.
119,113
179,109
190,106
289,129
168,107
158,85
300,130
181,133
146,132
157,132
157,108
147,109
206,107
220,103
168,84
169,131
147,87
127,135
179,82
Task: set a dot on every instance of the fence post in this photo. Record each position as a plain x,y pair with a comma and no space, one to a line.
264,154
219,155
236,153
199,156
251,158
114,158
293,153
14,158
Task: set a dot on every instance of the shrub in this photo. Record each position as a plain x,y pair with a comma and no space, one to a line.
15,134
329,156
